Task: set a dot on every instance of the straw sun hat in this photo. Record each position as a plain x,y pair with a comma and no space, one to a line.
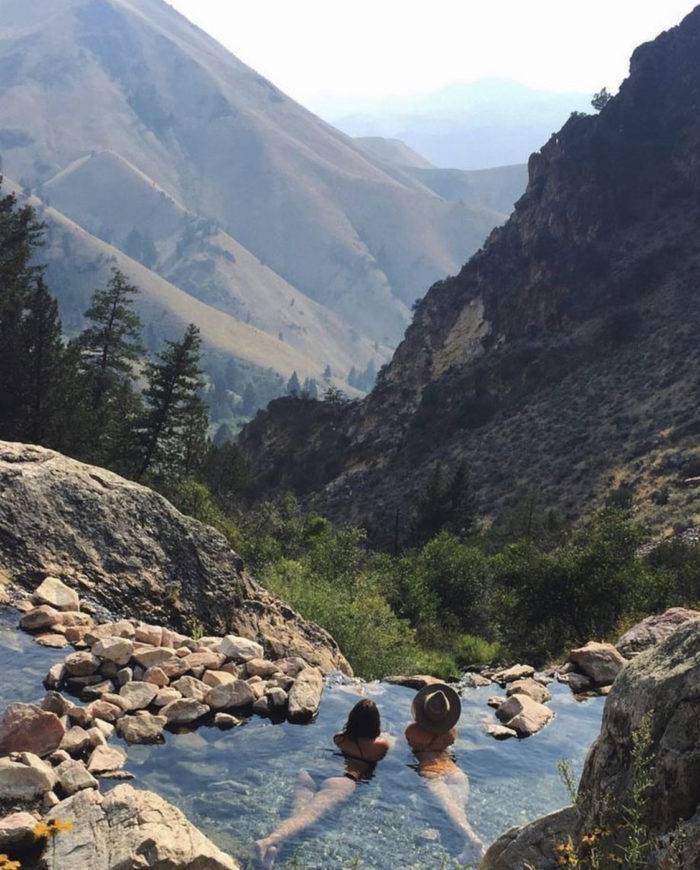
437,708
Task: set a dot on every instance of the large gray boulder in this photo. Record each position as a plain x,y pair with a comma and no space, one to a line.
24,778
523,714
531,845
600,662
305,696
653,630
126,828
663,684
128,549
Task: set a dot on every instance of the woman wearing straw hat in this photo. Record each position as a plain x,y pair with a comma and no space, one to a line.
436,710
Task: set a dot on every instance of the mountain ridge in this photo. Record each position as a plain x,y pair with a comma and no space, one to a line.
560,361
353,236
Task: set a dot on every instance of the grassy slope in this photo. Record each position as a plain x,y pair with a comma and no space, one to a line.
163,303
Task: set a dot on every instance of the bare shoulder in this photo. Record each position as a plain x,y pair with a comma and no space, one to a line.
338,738
412,729
385,742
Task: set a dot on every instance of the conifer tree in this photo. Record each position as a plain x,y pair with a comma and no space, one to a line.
293,385
430,507
460,506
20,234
174,427
445,505
112,343
42,355
250,400
310,388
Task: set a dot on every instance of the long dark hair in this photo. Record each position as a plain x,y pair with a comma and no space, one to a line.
363,721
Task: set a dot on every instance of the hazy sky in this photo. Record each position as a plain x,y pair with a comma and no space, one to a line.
362,49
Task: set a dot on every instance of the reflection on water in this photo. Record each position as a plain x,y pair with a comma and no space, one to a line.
236,785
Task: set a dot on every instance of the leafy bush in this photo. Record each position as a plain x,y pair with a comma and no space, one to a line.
373,638
471,650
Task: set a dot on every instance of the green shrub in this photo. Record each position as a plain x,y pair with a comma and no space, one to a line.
374,640
471,650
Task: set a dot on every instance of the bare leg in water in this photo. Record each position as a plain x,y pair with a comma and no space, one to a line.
452,791
310,805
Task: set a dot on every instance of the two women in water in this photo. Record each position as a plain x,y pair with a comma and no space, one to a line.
431,736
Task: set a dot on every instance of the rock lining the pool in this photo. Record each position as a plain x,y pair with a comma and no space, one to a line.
144,678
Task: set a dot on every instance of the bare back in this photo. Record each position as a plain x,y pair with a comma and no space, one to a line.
432,750
361,754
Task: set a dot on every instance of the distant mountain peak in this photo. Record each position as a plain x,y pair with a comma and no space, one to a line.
142,129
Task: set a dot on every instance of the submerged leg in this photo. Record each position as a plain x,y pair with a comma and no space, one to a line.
333,792
451,792
305,791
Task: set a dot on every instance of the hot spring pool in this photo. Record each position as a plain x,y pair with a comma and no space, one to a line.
236,785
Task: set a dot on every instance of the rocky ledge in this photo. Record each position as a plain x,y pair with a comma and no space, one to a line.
62,821
126,549
137,679
660,687
143,677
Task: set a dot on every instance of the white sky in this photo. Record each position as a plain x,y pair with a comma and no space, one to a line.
365,49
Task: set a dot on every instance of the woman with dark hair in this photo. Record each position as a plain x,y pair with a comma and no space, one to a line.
362,745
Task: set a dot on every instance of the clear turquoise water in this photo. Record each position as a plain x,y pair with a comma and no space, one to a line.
237,785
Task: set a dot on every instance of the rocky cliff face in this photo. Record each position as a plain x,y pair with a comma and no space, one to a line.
127,549
564,356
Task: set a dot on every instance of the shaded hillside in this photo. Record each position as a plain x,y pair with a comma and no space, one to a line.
201,259
129,92
392,151
497,189
564,357
235,354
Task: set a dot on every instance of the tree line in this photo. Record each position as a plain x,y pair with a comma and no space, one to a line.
95,397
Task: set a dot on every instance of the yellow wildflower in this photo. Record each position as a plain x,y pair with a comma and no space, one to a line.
43,830
6,863
63,827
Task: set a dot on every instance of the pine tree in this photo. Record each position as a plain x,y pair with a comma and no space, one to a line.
42,355
174,428
327,373
20,235
225,473
430,509
601,99
250,400
112,344
460,505
353,377
293,385
310,388
445,505
369,376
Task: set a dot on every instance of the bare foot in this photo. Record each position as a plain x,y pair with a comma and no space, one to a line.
472,854
266,854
